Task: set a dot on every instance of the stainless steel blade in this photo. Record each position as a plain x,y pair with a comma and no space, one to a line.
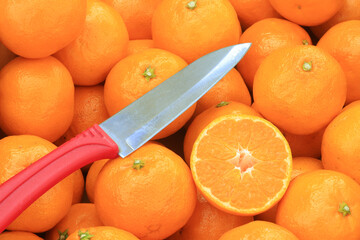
141,120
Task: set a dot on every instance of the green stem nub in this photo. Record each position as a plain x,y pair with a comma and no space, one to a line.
305,42
307,66
221,104
63,235
344,209
84,235
191,5
149,73
138,164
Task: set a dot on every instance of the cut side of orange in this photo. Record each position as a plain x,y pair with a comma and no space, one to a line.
241,164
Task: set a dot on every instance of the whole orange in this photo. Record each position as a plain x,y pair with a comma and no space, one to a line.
80,215
18,235
36,97
150,193
101,44
18,152
39,28
267,36
137,15
307,12
250,12
342,41
101,233
192,29
321,204
341,142
300,89
137,74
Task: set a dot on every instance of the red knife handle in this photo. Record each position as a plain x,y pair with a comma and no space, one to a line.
24,188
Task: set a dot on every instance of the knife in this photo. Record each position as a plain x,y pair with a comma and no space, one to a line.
121,134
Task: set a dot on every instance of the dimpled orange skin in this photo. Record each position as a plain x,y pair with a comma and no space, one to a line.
349,11
209,223
299,101
19,235
230,88
316,196
91,177
79,184
80,215
252,11
18,152
259,230
267,36
342,41
103,233
152,202
137,15
101,44
136,46
204,118
126,82
307,12
192,33
39,28
341,142
36,97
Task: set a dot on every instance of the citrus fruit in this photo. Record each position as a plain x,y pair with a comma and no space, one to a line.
79,184
298,83
101,233
39,28
137,74
328,200
18,235
139,45
149,193
259,230
342,41
241,164
192,29
18,152
101,44
80,215
91,177
5,55
36,98
266,36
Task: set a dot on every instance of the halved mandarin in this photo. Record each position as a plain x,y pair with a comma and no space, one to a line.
241,164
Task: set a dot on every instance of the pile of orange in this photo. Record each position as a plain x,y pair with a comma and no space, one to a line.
270,152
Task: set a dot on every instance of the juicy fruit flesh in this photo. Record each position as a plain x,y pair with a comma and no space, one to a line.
242,163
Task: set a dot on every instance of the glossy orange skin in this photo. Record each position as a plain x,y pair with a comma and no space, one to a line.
5,55
342,41
36,97
252,11
126,83
204,118
131,199
341,142
282,89
230,88
80,215
209,223
315,196
91,177
307,12
104,233
267,36
89,109
349,11
300,165
137,15
259,230
136,46
192,33
18,152
18,235
39,28
101,44
79,184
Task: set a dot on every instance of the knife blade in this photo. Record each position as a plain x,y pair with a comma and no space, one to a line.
122,133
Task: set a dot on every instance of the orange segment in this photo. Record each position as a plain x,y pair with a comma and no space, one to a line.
241,164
